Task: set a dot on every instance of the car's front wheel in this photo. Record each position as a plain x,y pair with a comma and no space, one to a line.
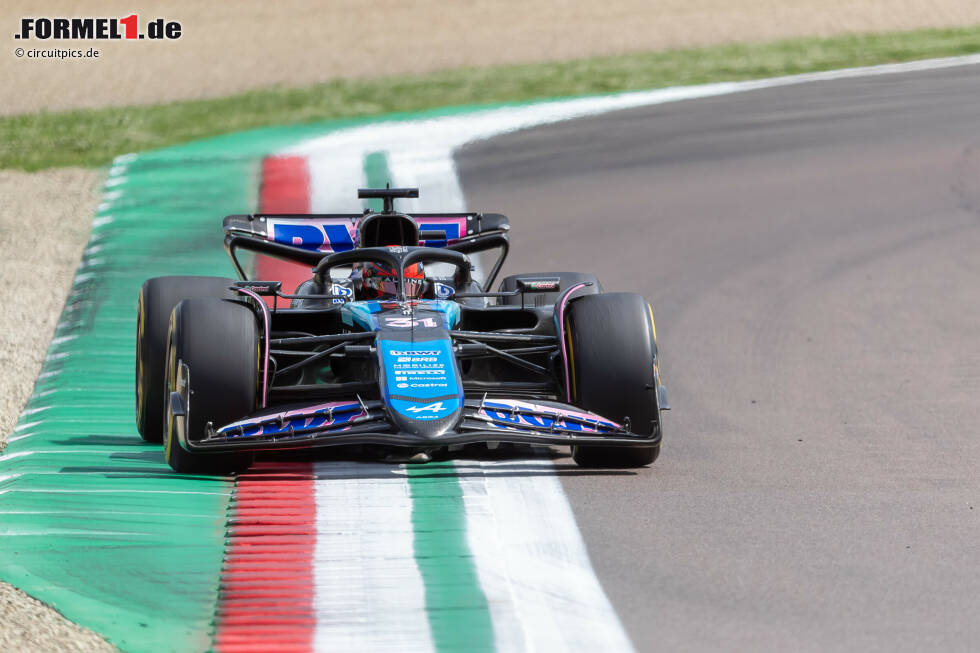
612,351
213,362
157,299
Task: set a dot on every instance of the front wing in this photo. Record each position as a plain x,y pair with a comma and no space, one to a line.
366,422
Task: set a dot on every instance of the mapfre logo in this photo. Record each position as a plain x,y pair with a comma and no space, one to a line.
98,29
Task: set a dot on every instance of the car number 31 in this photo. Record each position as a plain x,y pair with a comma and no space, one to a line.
407,322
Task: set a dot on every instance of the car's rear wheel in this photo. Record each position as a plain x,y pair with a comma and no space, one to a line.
612,351
213,347
547,298
157,299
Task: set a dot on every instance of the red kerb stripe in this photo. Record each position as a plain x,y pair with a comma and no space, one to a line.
285,189
266,593
266,601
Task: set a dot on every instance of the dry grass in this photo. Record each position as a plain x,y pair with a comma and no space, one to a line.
232,47
93,137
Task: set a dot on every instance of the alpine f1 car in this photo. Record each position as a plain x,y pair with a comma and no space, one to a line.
389,337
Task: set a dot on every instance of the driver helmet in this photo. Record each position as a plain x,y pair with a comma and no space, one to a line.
380,281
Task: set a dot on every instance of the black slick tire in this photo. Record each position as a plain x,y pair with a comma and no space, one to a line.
612,350
218,342
157,299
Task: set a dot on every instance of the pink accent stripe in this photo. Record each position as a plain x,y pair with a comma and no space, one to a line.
561,336
267,580
552,411
265,363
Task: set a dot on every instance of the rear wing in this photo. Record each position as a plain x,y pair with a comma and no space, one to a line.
307,238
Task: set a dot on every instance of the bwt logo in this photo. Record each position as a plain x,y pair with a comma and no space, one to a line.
323,237
336,236
76,29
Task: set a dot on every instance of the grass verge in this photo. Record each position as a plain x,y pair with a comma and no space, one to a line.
93,137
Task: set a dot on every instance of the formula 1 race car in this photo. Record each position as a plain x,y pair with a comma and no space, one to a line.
376,329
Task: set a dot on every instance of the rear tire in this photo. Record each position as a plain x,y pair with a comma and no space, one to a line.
218,341
613,351
568,279
157,299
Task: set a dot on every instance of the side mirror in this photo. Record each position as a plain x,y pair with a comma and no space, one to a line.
539,284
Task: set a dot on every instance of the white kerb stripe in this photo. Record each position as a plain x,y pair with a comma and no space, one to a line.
368,592
532,562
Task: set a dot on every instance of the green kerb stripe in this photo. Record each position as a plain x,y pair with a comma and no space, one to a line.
96,523
376,175
93,520
458,612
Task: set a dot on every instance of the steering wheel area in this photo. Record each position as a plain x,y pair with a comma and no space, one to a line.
397,258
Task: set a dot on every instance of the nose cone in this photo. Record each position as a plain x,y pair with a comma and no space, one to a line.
420,381
426,420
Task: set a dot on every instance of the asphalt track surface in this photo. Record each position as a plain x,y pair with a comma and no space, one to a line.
813,257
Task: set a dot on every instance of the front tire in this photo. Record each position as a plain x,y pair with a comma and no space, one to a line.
612,351
157,299
217,342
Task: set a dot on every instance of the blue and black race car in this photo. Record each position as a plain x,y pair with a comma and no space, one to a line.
378,329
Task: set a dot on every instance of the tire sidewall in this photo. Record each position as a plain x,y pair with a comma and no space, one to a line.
156,300
217,339
612,352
